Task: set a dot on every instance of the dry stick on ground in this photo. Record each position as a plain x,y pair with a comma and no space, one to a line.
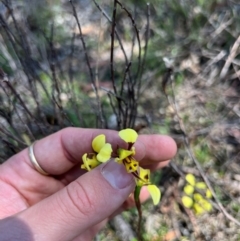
123,228
235,75
222,26
190,214
191,155
100,111
232,55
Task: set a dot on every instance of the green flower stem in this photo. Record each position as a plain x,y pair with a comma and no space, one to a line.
138,206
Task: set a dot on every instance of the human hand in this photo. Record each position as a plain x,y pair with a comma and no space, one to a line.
70,204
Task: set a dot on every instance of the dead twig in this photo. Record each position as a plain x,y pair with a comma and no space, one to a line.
100,111
232,55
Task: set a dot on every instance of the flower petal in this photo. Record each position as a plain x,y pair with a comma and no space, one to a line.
187,201
206,205
202,206
105,153
197,197
144,175
155,193
201,185
188,189
198,209
128,135
132,166
98,142
208,194
89,162
124,153
190,179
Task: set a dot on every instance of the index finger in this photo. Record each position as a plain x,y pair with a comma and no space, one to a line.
59,152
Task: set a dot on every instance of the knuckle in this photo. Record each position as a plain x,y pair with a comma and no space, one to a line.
80,199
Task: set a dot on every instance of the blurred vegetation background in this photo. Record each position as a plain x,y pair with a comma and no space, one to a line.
162,66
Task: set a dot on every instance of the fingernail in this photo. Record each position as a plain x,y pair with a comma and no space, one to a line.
116,175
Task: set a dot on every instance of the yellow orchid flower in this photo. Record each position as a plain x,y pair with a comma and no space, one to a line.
143,179
102,153
89,162
103,149
142,176
125,156
98,142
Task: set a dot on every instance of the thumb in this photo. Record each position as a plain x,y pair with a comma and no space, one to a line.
82,204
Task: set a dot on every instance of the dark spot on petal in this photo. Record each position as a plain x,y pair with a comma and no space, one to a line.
130,168
135,174
146,177
130,144
90,155
90,166
135,165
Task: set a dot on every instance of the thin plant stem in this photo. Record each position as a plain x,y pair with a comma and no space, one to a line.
139,209
100,111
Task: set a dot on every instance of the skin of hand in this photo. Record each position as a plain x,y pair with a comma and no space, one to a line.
70,204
